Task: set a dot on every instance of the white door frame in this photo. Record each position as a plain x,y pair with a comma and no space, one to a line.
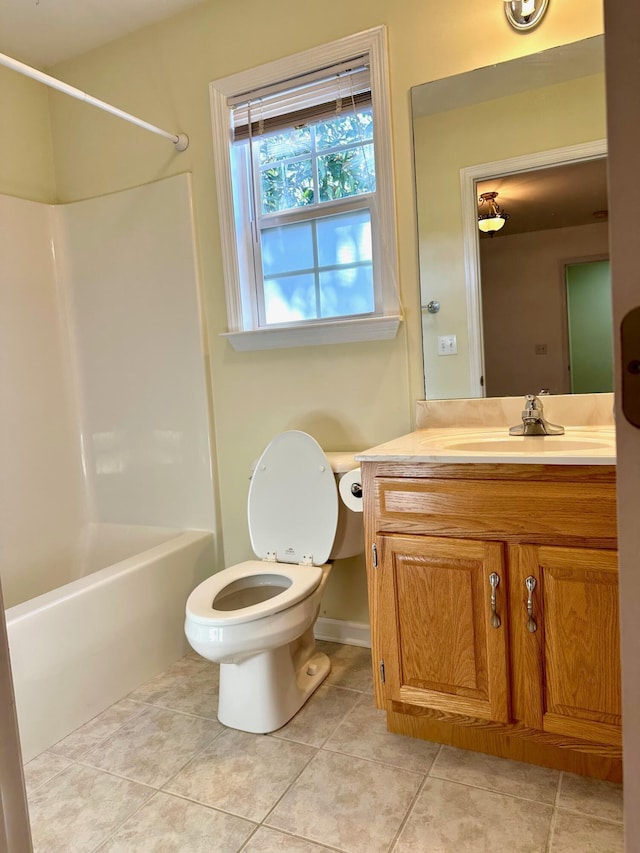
622,40
469,177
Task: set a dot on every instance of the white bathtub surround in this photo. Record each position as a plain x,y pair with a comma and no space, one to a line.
78,648
131,278
42,499
566,409
105,434
91,548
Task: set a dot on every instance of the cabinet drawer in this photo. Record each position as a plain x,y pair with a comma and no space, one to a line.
495,509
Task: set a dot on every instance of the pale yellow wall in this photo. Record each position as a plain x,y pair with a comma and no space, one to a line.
548,118
26,156
348,396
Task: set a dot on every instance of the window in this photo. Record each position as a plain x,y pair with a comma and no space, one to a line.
305,194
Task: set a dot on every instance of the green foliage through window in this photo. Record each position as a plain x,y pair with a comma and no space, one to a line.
329,160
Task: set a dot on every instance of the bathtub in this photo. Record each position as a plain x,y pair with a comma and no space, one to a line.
115,620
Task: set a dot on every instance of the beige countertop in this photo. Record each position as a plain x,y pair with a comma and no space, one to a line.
584,445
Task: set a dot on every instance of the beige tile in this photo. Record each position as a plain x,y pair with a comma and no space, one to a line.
154,746
496,774
319,716
452,818
347,802
193,655
98,729
364,733
269,841
574,833
590,796
41,769
241,773
350,665
81,807
168,824
190,685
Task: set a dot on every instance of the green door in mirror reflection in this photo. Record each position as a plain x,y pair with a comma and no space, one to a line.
590,326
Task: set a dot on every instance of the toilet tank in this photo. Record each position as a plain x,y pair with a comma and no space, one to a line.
349,539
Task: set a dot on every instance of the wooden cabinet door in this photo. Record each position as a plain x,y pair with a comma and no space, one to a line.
566,672
440,646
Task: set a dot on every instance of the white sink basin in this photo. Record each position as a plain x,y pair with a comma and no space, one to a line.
526,444
493,446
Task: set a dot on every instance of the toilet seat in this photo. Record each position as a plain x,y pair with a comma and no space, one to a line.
293,516
303,581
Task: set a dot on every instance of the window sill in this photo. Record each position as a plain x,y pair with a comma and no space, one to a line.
315,334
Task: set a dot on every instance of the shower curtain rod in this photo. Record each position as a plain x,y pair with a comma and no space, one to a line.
180,140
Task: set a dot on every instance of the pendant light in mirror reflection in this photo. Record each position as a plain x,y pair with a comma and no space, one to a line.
494,218
524,15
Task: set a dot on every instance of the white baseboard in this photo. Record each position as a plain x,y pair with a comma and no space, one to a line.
341,631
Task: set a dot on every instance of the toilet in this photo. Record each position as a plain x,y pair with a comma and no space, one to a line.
256,618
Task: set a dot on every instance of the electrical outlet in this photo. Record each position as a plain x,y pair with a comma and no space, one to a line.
541,349
447,345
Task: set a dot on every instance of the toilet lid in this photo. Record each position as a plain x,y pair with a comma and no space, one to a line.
293,501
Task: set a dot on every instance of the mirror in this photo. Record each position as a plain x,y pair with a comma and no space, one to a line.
498,311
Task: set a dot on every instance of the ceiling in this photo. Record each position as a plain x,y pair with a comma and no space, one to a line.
44,32
556,197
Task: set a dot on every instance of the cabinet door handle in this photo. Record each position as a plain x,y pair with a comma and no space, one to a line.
494,580
530,583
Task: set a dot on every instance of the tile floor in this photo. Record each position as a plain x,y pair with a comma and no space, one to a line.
157,773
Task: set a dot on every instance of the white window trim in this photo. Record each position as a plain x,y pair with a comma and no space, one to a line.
242,333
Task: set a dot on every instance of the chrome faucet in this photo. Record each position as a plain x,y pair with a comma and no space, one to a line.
533,420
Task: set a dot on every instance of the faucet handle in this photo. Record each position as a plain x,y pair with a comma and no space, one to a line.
533,420
531,402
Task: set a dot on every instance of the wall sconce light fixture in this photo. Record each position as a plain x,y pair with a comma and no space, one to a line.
524,15
495,218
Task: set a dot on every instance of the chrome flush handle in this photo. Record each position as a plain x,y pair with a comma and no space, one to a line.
531,583
494,580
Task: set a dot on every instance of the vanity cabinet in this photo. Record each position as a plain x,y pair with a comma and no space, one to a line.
437,642
494,608
567,652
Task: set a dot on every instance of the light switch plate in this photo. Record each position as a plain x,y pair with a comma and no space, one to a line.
447,345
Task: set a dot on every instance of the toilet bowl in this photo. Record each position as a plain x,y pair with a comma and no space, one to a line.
256,618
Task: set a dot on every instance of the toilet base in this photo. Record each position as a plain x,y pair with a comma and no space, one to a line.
261,693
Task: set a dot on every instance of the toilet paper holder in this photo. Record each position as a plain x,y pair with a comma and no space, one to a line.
350,488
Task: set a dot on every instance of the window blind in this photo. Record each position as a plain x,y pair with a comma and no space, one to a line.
340,89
